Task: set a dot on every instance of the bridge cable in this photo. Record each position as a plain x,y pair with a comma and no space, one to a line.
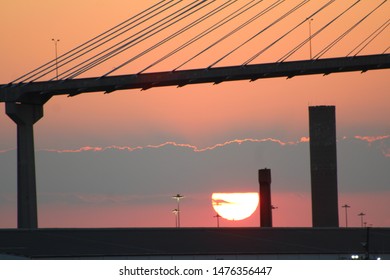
299,46
187,9
116,48
204,33
287,33
386,50
127,46
194,23
114,36
265,11
296,8
337,40
109,40
31,74
374,35
227,19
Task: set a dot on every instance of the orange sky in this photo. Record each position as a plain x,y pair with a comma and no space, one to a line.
201,115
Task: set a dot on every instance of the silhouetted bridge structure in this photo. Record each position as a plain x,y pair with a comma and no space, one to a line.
25,97
39,92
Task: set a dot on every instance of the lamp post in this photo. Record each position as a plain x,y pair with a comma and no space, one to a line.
310,20
346,206
361,218
175,211
178,197
56,54
217,216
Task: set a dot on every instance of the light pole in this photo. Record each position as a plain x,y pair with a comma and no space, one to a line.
178,197
310,20
217,216
56,54
346,206
361,218
175,211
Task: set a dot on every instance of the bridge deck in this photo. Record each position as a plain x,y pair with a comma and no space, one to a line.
32,92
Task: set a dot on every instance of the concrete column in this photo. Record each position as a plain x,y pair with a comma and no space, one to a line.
323,166
25,115
265,198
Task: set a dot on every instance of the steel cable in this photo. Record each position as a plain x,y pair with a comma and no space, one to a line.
194,39
265,11
188,8
45,67
337,40
287,33
116,48
378,31
189,26
224,21
294,50
116,36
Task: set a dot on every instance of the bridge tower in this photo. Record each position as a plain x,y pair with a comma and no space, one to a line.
25,115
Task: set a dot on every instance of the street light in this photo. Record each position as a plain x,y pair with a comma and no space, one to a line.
361,218
178,197
355,257
346,206
175,211
217,216
310,20
56,54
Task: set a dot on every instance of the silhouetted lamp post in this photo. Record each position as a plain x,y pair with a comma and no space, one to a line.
217,216
175,211
310,20
178,197
361,218
346,206
56,54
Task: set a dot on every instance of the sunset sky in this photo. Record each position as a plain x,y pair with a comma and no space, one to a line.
115,160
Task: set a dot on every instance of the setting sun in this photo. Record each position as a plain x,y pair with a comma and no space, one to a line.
235,206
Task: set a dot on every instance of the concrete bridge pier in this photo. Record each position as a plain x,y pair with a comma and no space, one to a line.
25,116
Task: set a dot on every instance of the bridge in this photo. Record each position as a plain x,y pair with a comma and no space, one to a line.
39,92
25,97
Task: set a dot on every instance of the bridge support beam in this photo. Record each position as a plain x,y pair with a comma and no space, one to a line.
25,116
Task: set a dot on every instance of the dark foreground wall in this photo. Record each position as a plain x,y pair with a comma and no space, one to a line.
199,243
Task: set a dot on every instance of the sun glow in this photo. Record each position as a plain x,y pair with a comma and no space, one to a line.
235,206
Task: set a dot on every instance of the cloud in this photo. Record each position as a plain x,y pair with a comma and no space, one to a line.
371,139
179,145
6,151
305,139
383,145
110,174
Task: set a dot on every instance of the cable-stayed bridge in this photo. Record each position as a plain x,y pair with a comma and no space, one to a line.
183,42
